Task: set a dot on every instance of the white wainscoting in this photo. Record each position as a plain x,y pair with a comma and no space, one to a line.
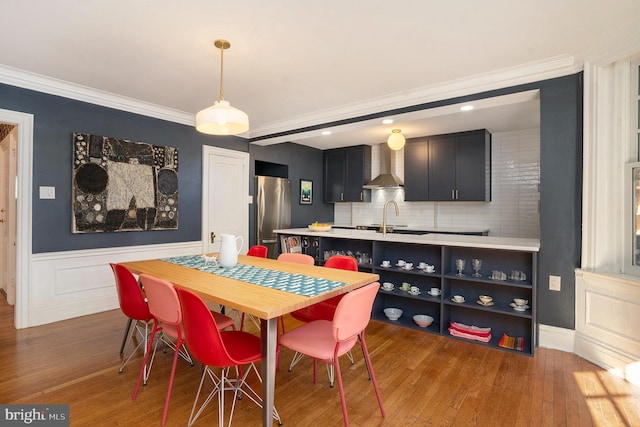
76,283
608,322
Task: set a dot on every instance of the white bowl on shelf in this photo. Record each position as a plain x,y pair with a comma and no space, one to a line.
392,313
423,320
319,227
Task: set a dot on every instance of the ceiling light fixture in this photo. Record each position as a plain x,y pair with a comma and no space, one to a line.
387,121
396,140
221,118
466,108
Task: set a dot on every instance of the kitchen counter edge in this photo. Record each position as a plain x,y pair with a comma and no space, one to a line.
487,242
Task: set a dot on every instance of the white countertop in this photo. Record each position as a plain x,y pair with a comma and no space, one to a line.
488,242
424,228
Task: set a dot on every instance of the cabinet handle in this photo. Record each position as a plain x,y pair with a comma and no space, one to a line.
456,194
453,192
341,196
361,196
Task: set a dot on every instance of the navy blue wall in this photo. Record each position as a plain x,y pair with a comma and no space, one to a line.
303,163
56,119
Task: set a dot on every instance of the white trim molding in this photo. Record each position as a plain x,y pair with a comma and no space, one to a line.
607,322
556,338
77,283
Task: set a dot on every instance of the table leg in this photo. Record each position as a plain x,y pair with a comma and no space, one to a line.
269,338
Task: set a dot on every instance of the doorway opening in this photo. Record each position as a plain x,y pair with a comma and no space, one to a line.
8,220
20,190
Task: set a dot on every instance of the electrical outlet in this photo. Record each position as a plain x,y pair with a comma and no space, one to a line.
554,283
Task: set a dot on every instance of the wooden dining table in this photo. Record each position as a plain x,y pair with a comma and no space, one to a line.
262,302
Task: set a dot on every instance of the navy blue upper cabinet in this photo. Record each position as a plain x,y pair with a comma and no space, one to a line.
346,170
451,167
416,172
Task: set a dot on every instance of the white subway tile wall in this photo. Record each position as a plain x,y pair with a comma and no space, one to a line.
515,195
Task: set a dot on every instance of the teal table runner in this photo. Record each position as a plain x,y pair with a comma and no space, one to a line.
288,282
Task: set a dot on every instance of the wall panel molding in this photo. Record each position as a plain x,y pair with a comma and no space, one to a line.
70,284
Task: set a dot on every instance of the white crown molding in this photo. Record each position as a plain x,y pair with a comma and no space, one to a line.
526,73
37,82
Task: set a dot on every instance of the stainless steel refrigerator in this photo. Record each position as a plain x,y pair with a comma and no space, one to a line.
273,210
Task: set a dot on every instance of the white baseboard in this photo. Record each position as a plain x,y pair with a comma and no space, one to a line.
76,283
556,338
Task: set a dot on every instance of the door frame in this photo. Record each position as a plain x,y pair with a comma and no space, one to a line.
24,122
206,151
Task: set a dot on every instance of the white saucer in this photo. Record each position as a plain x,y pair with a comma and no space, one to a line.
488,304
518,308
429,272
459,302
388,290
433,295
401,266
410,293
407,269
385,266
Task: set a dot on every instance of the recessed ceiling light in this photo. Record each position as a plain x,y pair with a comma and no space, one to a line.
387,121
466,108
326,132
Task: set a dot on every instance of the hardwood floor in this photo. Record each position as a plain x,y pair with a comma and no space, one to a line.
425,380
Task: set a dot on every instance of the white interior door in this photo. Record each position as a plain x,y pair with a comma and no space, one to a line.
225,196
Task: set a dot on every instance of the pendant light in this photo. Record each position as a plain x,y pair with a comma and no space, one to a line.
396,140
221,118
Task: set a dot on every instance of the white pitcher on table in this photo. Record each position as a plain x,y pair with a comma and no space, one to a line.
229,250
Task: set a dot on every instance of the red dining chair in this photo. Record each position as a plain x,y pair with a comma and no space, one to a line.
328,340
164,306
134,306
219,349
258,251
296,257
325,310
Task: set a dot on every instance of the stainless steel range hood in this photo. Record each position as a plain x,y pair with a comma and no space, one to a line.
387,177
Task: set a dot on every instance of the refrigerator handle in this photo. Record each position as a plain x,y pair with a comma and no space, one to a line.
269,241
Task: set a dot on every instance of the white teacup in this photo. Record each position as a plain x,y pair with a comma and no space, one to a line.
408,266
520,302
430,268
434,291
414,290
518,275
485,299
401,263
422,265
498,275
458,298
386,263
388,286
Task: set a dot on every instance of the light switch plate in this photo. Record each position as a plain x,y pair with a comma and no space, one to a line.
554,283
47,192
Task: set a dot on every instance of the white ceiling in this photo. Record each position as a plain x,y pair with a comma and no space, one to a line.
296,63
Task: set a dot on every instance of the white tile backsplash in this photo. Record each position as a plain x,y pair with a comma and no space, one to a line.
512,212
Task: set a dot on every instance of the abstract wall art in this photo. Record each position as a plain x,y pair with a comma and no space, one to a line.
121,185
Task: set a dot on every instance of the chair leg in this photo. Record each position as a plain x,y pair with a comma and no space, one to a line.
173,372
126,335
367,361
146,358
336,365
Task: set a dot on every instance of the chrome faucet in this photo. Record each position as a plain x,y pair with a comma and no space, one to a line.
384,215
